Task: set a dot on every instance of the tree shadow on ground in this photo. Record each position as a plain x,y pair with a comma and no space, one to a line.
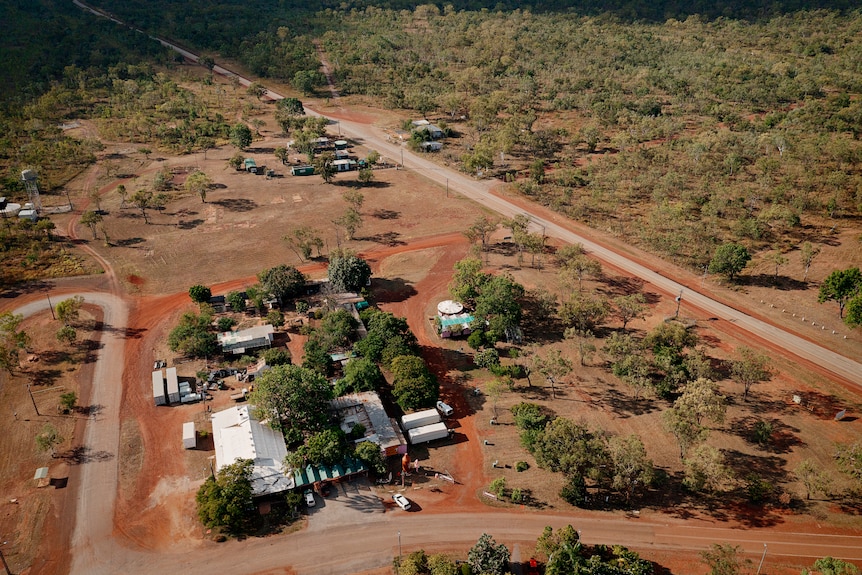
387,239
83,454
90,410
783,283
356,184
624,405
190,224
46,377
384,214
768,467
392,290
128,242
782,439
12,292
237,204
54,356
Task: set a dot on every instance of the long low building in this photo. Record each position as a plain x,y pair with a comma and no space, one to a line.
237,434
240,342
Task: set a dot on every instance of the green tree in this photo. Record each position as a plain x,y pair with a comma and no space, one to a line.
302,239
67,335
282,154
750,368
584,312
225,324
256,90
414,386
360,374
562,550
366,176
68,402
326,447
702,399
143,199
12,340
305,81
237,161
552,366
275,356
814,478
348,272
730,260
468,280
498,306
282,281
236,300
240,136
198,183
705,469
850,459
631,470
487,557
193,336
682,423
292,398
48,439
91,219
69,310
498,487
207,62
832,566
629,307
200,294
572,449
336,331
440,564
350,220
290,106
529,416
388,337
324,165
809,251
354,198
854,311
224,501
369,453
481,230
275,318
840,286
725,560
487,358
580,267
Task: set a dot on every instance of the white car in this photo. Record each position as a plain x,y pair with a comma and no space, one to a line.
445,408
401,501
309,498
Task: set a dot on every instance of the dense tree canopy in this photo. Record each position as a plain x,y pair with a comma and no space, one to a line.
841,286
414,385
193,336
224,501
347,272
282,281
292,398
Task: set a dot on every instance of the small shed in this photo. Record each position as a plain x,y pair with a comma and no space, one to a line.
41,478
344,165
341,144
430,146
302,171
435,132
341,155
250,165
189,437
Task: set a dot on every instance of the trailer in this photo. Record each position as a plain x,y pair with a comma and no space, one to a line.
159,388
428,433
420,418
173,385
302,171
189,438
250,165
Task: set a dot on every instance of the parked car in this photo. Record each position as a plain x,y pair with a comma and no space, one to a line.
401,501
309,498
445,408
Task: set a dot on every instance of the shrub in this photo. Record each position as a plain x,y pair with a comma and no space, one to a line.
762,432
225,323
517,496
476,339
302,306
522,466
758,489
498,486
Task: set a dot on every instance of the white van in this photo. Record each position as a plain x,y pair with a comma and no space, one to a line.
445,409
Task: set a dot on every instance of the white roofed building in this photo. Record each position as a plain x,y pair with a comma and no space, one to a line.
240,342
237,434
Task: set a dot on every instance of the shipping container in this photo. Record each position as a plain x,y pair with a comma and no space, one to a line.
419,419
428,433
